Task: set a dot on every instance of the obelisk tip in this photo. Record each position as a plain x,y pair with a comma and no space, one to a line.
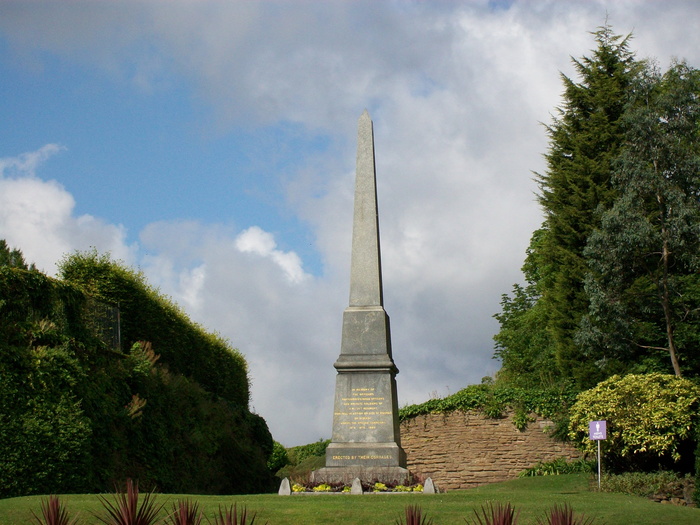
365,114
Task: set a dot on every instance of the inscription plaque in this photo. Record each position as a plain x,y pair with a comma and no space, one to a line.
363,410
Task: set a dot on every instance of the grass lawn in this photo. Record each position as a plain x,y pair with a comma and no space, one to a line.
531,495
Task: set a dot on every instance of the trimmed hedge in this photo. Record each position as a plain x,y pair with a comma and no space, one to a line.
147,315
77,415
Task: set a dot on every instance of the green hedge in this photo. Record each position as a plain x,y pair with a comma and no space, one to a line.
147,315
44,432
76,415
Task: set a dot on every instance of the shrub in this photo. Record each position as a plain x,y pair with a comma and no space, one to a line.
278,458
563,515
185,513
44,430
414,516
138,416
558,466
316,449
147,315
231,517
126,509
649,417
304,459
696,494
53,513
521,419
644,484
495,514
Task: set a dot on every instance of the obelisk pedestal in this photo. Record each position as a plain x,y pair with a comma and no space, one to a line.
366,443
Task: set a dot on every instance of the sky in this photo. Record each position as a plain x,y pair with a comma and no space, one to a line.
212,145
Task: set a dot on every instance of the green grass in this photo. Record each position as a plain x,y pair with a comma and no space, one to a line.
531,495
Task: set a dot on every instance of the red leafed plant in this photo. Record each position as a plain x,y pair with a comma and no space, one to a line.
496,514
53,513
126,509
185,513
414,517
230,517
563,515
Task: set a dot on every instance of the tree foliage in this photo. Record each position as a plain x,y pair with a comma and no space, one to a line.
11,257
584,141
645,256
524,343
279,457
612,282
301,460
538,323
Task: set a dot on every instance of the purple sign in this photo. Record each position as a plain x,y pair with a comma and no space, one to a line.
597,430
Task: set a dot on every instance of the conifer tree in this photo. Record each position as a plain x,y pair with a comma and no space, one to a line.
585,137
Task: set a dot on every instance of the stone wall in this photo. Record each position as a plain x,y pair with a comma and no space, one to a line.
461,450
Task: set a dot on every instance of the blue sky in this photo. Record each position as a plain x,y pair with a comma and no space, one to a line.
212,145
133,157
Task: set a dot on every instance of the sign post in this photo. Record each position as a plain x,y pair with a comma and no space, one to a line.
597,431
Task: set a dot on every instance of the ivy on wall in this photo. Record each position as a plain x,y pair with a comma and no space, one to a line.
494,401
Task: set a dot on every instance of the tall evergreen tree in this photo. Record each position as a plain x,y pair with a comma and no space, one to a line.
645,257
585,137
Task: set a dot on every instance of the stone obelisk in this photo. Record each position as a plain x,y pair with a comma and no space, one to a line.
366,442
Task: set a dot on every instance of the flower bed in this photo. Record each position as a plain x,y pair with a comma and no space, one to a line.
367,487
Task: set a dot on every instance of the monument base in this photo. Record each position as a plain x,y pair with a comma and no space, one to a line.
370,462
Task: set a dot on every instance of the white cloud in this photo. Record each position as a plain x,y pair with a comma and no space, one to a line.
255,240
37,217
25,165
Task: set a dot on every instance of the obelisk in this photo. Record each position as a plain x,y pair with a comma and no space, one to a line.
366,442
